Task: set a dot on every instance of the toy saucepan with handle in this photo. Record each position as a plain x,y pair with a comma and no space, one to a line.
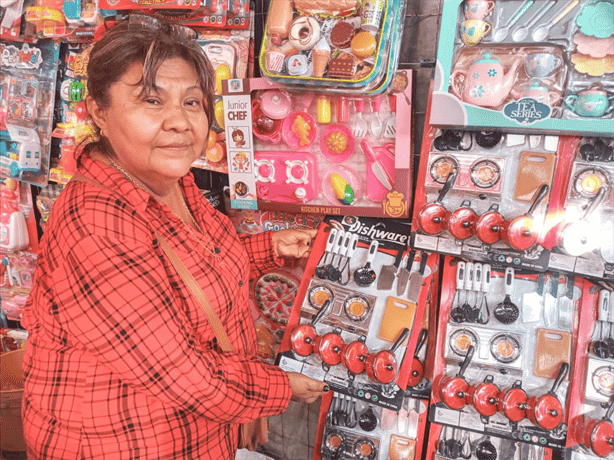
512,402
453,390
546,410
416,371
303,338
382,366
598,435
522,232
354,356
432,218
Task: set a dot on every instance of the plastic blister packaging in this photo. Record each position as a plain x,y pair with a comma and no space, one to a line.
542,65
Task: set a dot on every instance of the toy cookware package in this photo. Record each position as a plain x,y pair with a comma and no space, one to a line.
504,352
337,44
542,66
484,195
583,239
356,320
27,86
591,403
309,152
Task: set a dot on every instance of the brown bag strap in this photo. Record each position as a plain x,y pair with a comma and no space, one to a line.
188,279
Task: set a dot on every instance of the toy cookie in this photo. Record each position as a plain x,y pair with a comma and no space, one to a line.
341,35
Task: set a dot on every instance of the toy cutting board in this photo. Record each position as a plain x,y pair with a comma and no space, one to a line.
534,169
398,314
552,347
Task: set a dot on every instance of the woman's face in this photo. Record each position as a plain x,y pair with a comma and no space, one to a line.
156,136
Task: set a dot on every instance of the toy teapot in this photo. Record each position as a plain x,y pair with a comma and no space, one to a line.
592,102
484,83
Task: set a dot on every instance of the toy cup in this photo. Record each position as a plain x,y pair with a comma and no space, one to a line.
478,9
541,65
474,30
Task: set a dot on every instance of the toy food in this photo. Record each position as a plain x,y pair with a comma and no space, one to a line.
280,18
332,7
304,33
336,142
321,55
342,34
363,45
301,129
343,190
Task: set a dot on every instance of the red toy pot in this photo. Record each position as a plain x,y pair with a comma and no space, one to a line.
512,402
598,435
416,371
264,127
454,389
354,355
304,336
432,218
382,366
490,225
484,397
522,232
329,347
461,223
546,410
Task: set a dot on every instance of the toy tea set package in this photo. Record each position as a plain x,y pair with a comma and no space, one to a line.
583,241
543,66
504,352
347,328
305,153
345,46
27,87
484,195
591,433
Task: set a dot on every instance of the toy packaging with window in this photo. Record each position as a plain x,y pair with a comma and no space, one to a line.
308,153
359,310
538,66
341,44
27,87
504,352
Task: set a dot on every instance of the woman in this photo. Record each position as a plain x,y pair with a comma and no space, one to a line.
121,361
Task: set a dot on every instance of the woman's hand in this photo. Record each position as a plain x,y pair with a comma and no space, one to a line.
293,243
306,389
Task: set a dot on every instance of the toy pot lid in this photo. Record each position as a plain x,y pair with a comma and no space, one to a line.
432,218
275,104
354,357
454,393
487,59
485,398
416,372
461,223
535,85
512,403
521,232
594,90
602,438
489,227
384,367
329,348
302,339
547,411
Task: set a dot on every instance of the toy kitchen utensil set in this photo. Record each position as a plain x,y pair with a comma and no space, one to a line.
303,152
347,327
540,66
484,196
503,357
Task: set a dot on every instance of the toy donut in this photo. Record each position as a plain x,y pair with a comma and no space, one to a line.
304,33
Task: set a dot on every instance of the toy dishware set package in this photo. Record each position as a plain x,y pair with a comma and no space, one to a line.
305,152
27,87
504,352
583,241
591,433
342,46
357,319
484,195
540,66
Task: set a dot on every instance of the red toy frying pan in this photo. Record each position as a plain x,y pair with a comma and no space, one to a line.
433,217
522,232
546,410
303,337
416,371
382,366
454,389
513,402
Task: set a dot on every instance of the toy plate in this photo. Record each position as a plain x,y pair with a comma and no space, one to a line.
350,176
336,134
597,19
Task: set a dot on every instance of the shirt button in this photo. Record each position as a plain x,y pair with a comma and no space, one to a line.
218,250
240,283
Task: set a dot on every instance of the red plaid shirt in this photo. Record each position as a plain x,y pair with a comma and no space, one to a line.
121,361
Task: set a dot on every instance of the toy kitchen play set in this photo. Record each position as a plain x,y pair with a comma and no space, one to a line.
541,66
318,153
358,324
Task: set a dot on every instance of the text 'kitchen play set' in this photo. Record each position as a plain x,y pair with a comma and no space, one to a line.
462,312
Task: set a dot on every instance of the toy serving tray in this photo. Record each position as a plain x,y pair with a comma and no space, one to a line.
339,44
533,65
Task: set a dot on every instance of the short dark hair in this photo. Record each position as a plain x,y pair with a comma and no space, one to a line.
123,45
